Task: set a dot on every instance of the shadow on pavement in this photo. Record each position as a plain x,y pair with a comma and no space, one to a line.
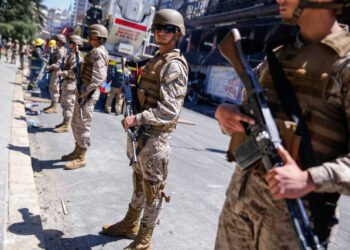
22,118
30,226
24,150
216,150
39,130
54,239
39,165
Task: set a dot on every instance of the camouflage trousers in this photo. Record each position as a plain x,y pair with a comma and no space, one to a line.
68,98
14,57
150,173
54,87
82,118
7,54
114,93
251,219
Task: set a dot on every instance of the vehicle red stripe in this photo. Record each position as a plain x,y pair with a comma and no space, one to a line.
130,24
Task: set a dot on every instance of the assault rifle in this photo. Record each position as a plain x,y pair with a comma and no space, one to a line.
133,134
263,137
77,76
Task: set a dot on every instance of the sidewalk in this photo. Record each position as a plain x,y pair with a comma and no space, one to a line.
20,219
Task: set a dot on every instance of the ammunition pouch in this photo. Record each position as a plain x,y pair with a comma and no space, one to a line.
291,141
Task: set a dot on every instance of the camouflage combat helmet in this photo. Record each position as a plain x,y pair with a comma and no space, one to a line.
76,39
9,39
60,38
337,5
171,17
24,41
98,30
16,41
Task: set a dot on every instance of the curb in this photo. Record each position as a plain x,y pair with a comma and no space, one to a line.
24,225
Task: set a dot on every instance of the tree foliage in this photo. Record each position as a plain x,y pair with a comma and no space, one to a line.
21,19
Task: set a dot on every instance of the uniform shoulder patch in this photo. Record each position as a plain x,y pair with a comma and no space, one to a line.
172,72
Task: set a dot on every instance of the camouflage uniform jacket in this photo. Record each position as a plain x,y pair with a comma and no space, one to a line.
172,91
100,58
60,53
333,176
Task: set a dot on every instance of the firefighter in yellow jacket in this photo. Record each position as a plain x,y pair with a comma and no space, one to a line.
161,95
253,216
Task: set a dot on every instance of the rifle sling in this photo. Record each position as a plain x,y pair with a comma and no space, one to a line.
322,205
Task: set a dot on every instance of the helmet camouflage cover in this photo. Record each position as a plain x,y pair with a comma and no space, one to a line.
61,38
171,17
76,39
98,30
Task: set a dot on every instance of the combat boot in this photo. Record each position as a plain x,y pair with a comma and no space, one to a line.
142,240
78,162
52,109
128,227
63,128
72,155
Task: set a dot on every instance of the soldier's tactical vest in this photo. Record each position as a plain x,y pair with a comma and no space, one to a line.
87,66
310,71
61,51
68,65
149,89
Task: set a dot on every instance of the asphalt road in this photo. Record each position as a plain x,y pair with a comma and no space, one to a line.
100,192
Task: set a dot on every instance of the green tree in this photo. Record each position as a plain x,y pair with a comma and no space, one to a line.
26,17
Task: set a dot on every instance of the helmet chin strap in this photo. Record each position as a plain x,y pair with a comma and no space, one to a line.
294,19
303,4
170,41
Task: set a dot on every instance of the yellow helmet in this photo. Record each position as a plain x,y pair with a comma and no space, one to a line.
39,42
52,43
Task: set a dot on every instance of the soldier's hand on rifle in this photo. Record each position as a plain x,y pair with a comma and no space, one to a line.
48,67
59,73
129,121
288,181
230,117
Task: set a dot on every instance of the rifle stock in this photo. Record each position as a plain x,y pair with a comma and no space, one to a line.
263,137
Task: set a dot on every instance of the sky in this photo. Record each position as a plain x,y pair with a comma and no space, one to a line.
61,4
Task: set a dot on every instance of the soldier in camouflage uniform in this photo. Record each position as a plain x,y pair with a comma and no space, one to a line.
55,66
8,47
253,216
161,95
69,83
23,54
93,73
15,50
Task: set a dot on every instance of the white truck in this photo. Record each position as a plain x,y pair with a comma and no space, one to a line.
129,23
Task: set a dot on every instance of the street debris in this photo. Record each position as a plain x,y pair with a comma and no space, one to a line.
64,207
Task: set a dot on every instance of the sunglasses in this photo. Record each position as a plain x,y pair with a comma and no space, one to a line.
92,39
166,28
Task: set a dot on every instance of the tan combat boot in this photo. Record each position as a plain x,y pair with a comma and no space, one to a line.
72,155
52,109
49,106
78,162
63,128
128,227
142,240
